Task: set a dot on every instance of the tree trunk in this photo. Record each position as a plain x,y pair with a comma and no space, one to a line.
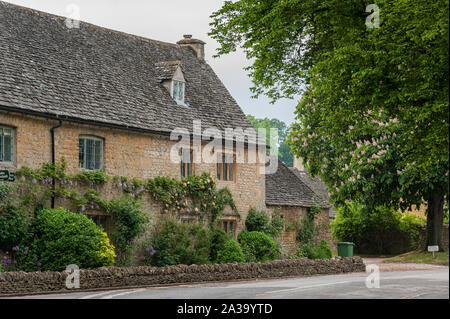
435,220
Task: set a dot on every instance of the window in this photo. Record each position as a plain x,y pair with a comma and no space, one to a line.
90,153
6,144
186,162
103,221
225,167
229,226
178,91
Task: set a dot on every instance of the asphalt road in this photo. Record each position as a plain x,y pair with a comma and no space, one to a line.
421,284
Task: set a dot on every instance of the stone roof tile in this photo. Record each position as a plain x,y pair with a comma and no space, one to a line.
105,76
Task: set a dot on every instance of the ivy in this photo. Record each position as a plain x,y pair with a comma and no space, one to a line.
307,229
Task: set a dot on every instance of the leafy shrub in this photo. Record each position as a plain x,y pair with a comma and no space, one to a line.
379,231
61,238
218,239
14,219
298,254
257,220
106,254
173,242
258,246
323,251
13,226
261,221
129,220
231,252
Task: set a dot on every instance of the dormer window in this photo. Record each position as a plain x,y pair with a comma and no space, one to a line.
178,91
170,74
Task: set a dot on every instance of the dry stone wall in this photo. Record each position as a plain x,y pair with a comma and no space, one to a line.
16,283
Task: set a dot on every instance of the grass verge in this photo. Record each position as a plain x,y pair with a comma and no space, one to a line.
420,256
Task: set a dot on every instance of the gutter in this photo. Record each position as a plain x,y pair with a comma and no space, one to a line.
52,133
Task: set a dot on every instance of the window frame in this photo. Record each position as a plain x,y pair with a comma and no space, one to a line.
172,93
229,230
2,144
102,155
186,167
103,220
223,167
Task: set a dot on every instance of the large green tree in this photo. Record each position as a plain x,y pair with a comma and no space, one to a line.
373,119
284,149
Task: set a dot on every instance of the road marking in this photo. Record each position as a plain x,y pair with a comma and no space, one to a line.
122,294
95,295
305,287
413,296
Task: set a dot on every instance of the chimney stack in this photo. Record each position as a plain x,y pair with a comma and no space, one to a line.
198,46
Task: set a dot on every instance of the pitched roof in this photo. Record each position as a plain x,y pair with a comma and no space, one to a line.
104,76
284,188
316,185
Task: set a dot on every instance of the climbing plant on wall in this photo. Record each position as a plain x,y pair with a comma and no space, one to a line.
196,193
307,229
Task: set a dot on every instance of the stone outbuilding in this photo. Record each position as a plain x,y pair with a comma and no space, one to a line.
289,194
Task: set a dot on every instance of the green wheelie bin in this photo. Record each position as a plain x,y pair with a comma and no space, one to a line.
345,249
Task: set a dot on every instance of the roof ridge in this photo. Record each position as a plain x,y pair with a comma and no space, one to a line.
52,15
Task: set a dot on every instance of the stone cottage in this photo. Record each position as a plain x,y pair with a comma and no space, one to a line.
106,100
288,194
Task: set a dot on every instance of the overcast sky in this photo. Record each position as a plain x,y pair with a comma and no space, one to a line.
168,20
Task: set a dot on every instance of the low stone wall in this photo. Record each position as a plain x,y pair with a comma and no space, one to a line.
17,283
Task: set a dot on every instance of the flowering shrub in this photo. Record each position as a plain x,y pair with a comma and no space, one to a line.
21,258
258,246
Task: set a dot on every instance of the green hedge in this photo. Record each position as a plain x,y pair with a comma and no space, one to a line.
380,231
